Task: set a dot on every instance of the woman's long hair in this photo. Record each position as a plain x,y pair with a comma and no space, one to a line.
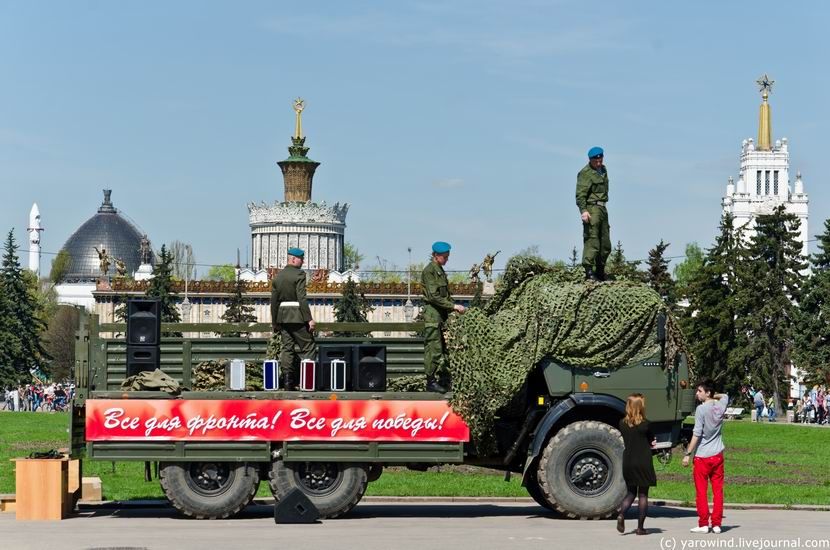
635,410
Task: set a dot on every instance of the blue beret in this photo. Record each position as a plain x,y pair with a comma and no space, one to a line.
440,247
298,252
595,152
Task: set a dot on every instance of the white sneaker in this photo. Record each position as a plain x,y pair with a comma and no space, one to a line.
704,529
716,530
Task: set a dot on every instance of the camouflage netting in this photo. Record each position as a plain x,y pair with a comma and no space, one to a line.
546,312
210,376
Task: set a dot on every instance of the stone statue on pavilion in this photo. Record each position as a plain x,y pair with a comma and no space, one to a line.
103,259
487,265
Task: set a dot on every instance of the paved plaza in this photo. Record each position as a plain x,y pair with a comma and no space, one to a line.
419,525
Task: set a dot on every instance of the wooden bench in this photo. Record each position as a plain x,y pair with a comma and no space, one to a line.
734,412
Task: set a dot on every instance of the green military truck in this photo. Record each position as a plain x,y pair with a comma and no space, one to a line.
559,434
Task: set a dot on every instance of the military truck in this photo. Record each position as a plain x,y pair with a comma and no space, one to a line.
560,434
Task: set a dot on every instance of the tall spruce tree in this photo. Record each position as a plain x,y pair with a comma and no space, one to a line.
657,274
161,287
351,307
811,347
620,269
21,320
770,288
710,316
238,310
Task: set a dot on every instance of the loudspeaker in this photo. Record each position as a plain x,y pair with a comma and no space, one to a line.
144,321
141,358
334,366
295,507
369,369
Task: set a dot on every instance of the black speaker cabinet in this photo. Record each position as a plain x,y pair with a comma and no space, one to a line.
334,367
144,321
295,507
141,358
369,369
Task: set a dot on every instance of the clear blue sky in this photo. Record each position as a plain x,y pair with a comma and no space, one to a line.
459,121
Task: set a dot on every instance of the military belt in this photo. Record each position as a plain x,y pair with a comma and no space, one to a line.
597,203
290,304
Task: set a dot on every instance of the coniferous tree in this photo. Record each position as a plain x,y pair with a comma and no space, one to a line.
620,269
811,348
685,271
161,287
21,319
238,311
351,307
710,316
657,275
574,259
769,290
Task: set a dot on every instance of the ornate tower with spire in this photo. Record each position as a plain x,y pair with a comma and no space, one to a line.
317,228
764,178
298,169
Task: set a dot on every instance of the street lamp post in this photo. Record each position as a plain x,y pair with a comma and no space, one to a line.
186,306
408,308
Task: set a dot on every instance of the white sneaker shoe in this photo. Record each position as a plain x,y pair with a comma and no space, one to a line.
704,529
716,530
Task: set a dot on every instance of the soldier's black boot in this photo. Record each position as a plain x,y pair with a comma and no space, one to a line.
434,386
600,274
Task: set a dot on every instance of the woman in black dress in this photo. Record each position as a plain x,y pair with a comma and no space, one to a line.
638,468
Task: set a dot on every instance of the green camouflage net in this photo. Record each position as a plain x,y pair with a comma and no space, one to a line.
546,312
210,376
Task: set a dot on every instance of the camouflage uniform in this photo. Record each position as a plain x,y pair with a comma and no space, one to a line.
592,197
438,304
290,315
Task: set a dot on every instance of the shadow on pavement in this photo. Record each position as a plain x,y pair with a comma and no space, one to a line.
386,510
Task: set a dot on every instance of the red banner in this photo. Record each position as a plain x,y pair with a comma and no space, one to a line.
261,420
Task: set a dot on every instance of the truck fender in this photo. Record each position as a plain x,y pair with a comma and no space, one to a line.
558,411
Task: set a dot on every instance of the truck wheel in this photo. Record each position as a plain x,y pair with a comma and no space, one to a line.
580,472
333,487
209,490
535,491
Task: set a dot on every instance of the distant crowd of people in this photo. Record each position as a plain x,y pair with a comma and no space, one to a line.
813,407
34,397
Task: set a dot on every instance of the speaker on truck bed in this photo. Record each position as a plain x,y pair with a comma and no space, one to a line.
334,366
369,369
143,335
143,321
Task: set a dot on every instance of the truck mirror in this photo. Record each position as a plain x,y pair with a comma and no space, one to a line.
661,328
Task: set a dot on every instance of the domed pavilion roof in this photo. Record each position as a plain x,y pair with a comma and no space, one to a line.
107,229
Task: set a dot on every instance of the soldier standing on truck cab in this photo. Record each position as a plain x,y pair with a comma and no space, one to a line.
591,199
291,316
438,305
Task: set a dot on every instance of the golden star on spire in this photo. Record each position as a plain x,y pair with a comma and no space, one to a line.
765,85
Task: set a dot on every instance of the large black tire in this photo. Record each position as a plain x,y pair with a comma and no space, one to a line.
580,471
535,491
334,487
209,490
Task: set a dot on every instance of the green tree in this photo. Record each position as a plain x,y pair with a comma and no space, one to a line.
710,316
60,266
574,261
811,347
238,310
161,287
224,272
21,319
620,269
351,257
686,270
351,307
767,295
184,262
657,275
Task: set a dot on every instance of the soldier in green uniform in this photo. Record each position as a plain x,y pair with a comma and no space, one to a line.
291,316
591,199
438,305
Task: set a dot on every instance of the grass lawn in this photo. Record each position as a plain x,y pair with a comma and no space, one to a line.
765,463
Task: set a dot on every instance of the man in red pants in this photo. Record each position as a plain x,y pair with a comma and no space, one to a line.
707,448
